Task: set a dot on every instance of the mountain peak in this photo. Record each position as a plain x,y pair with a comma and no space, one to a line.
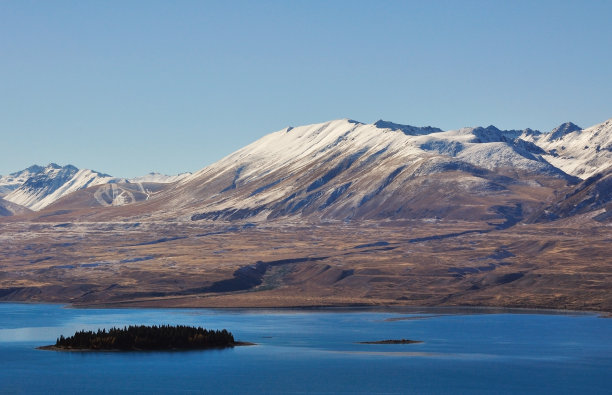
55,166
494,134
531,132
492,128
408,130
562,130
490,134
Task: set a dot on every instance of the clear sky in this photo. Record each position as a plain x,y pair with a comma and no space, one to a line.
129,87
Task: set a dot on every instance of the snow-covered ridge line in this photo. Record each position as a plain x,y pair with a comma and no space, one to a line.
488,147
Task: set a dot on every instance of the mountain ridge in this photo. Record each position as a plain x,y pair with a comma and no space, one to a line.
337,162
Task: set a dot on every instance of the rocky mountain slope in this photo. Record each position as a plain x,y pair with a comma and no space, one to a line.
593,195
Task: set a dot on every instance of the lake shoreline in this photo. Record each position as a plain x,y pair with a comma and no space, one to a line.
401,309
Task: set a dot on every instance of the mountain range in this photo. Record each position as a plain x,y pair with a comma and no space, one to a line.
344,170
335,213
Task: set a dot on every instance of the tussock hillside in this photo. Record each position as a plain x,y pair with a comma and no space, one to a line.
9,208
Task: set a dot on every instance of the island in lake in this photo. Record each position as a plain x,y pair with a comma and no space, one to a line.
397,341
144,338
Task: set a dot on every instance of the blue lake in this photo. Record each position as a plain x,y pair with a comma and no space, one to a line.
316,351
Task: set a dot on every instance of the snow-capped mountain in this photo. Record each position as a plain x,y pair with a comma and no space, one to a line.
37,187
580,152
50,183
345,169
489,147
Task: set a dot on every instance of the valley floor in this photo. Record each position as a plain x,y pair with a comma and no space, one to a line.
560,265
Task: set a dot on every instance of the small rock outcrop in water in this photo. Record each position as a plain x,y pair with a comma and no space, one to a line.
141,338
398,341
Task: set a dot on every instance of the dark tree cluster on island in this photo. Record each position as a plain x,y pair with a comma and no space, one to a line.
142,337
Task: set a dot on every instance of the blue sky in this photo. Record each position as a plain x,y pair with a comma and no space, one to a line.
128,87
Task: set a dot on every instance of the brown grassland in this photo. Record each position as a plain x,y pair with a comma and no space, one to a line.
562,265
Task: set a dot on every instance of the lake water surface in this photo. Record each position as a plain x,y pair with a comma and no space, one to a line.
306,351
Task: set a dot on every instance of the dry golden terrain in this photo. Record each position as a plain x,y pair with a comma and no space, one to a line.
564,264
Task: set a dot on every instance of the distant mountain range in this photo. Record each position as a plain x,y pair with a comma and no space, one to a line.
37,187
345,170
